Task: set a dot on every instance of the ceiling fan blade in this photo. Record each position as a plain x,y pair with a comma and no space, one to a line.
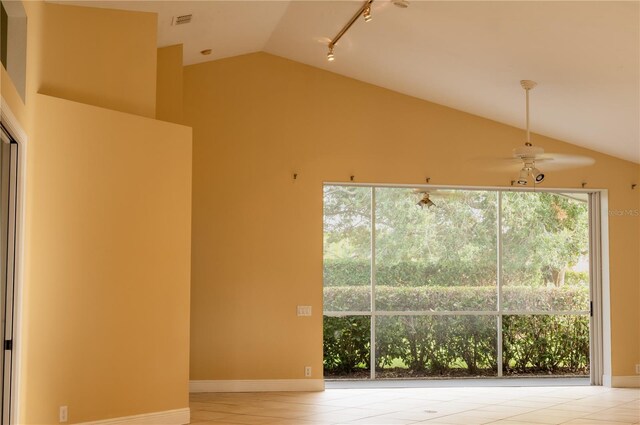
499,164
559,161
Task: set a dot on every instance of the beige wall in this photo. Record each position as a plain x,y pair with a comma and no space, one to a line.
107,220
169,84
87,52
257,234
108,259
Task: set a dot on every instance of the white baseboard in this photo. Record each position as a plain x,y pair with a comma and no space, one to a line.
168,417
258,385
632,381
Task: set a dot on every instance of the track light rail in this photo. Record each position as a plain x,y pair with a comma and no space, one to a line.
344,29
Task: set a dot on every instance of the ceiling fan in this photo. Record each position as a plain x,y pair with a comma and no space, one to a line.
529,154
425,201
426,195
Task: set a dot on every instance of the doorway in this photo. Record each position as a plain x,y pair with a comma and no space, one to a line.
8,251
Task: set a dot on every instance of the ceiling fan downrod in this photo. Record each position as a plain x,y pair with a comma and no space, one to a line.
528,85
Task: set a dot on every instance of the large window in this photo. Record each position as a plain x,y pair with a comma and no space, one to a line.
482,283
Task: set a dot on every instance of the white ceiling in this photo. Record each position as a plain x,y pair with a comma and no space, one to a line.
585,55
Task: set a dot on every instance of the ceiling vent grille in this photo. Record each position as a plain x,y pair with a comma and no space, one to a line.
182,19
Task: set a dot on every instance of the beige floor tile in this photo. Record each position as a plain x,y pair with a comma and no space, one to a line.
246,419
418,415
542,417
378,420
294,422
509,410
586,409
512,422
459,419
583,421
340,416
404,406
205,415
628,416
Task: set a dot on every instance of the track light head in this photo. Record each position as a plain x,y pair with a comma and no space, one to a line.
367,14
330,55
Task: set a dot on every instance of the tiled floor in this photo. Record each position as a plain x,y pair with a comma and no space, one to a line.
402,406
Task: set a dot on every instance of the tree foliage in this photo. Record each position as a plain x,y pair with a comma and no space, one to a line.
543,234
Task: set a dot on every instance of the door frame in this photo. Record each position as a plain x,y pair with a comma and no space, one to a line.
599,321
12,124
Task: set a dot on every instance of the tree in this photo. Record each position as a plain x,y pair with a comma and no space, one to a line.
455,242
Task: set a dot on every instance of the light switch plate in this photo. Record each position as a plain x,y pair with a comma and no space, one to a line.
304,310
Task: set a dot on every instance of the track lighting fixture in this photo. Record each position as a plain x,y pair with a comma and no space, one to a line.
365,12
330,56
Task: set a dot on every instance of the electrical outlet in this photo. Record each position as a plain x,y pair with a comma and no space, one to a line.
63,415
638,369
307,371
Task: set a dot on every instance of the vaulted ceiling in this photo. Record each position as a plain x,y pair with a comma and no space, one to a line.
585,55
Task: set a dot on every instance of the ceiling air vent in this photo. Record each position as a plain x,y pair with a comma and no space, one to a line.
182,19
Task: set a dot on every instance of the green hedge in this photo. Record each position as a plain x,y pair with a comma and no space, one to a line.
346,343
436,345
456,298
349,272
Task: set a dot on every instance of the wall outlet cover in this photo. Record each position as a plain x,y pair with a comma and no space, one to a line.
63,414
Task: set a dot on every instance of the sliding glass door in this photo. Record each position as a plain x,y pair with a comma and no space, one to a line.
464,283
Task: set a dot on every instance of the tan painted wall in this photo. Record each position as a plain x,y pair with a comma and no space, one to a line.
87,51
257,234
108,260
108,212
169,84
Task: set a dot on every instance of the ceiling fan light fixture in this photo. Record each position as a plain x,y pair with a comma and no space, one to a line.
426,202
522,179
537,175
